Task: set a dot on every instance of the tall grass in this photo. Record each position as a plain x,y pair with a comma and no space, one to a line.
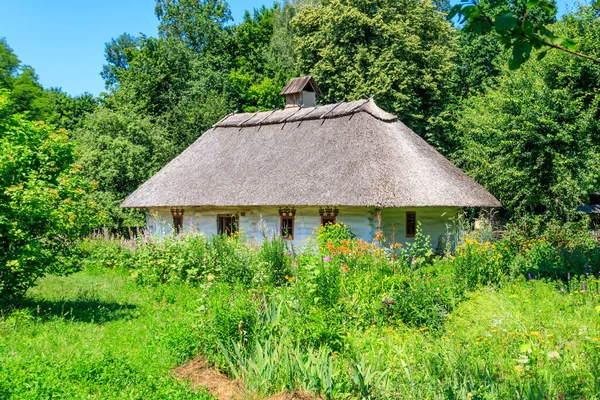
500,316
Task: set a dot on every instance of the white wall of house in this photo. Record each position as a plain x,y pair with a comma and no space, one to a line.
256,222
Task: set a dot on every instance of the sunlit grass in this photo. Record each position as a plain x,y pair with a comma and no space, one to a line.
96,334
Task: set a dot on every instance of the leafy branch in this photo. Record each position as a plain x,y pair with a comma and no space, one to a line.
516,32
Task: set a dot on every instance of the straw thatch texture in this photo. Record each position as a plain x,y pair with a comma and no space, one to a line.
345,154
296,85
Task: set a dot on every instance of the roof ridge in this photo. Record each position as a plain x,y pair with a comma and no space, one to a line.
327,111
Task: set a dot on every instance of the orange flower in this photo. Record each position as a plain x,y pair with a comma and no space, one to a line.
344,268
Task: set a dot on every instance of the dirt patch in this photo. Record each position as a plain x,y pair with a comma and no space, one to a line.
294,396
200,375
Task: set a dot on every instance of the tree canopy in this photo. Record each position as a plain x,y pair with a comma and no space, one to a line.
527,134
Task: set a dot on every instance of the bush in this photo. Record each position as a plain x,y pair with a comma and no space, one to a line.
44,203
274,253
478,263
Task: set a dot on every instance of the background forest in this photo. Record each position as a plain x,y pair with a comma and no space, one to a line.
530,135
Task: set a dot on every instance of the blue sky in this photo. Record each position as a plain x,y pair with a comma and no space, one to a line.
64,39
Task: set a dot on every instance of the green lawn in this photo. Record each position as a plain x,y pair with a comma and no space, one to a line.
96,334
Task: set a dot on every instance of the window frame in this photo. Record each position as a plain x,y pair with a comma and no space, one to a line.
222,228
414,215
178,227
290,236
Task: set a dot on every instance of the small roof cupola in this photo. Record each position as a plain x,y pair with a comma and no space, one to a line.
301,92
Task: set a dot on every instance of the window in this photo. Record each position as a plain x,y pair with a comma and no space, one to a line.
287,227
411,224
227,224
327,219
177,224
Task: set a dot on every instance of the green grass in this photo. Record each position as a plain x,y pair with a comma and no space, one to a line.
347,322
96,334
527,340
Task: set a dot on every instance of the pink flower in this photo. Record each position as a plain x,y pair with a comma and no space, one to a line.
327,259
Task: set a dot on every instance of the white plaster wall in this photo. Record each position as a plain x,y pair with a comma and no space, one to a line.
434,221
256,222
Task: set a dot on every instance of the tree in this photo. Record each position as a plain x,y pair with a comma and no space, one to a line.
117,53
517,28
401,53
198,23
69,112
44,206
533,140
119,150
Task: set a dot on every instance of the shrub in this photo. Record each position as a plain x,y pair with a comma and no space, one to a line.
274,253
44,203
478,263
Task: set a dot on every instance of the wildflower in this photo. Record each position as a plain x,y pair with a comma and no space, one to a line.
518,369
583,288
327,259
529,277
344,268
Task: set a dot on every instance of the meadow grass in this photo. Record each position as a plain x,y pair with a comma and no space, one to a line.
343,319
96,334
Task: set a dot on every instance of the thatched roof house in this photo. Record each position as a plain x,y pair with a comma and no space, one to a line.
344,159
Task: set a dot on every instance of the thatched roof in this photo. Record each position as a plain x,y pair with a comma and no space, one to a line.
297,85
589,208
344,154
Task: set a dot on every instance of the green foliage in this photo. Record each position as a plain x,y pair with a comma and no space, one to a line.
112,145
519,26
378,325
44,207
98,335
401,53
531,141
275,254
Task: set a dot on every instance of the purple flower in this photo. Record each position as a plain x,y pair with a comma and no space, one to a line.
587,267
583,288
568,276
327,259
529,277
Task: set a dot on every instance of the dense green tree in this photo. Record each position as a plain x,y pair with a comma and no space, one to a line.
534,139
117,53
198,23
119,150
44,206
69,112
519,25
9,64
401,53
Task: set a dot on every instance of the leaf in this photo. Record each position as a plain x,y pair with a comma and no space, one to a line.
454,11
596,4
525,347
528,28
597,309
547,6
570,44
532,3
505,22
542,54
